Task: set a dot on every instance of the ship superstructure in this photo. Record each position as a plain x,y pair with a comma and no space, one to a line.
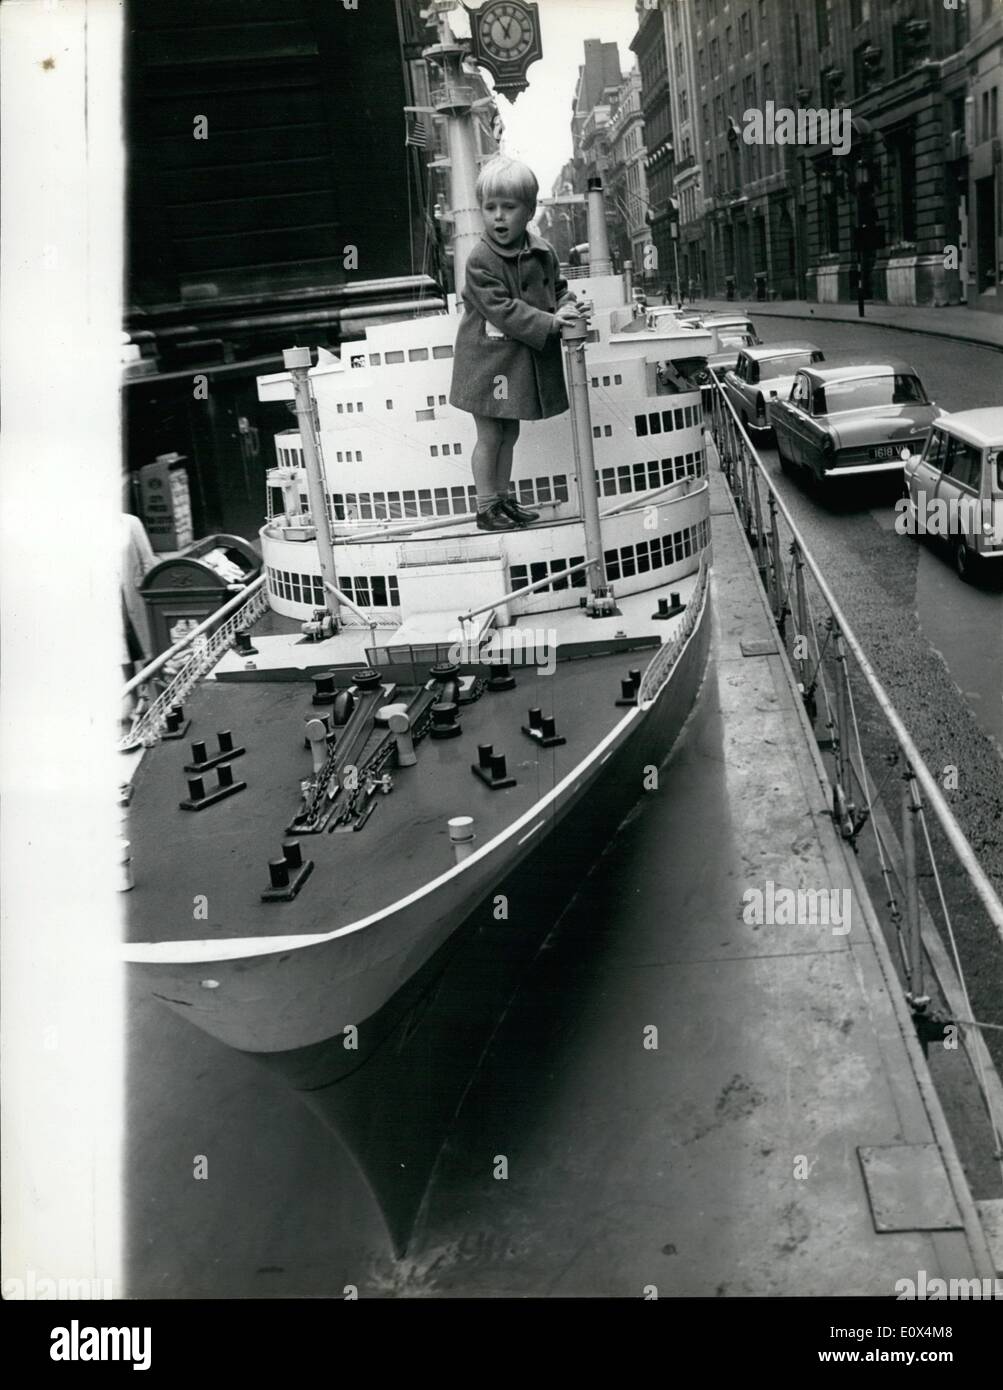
396,452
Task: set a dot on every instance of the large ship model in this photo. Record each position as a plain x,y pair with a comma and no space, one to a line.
409,736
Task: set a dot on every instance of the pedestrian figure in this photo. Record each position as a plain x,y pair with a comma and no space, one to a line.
507,365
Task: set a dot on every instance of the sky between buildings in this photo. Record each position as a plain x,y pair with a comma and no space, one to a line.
538,123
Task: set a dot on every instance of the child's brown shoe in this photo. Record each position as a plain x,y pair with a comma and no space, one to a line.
520,515
495,518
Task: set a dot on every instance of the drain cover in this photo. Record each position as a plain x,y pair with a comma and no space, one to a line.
908,1188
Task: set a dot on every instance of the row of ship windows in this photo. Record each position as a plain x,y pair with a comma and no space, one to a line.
617,380
621,563
381,590
436,501
355,455
377,359
460,500
639,477
657,422
365,590
681,418
656,553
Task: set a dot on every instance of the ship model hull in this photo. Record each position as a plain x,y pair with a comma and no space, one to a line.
316,1007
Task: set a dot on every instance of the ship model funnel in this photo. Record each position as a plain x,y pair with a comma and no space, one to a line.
599,257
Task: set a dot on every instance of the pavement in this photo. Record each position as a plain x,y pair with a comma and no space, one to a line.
686,1101
953,321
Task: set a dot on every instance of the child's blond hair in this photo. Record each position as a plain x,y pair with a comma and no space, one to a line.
503,177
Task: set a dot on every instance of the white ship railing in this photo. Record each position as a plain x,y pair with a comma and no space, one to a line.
527,589
660,667
828,658
235,616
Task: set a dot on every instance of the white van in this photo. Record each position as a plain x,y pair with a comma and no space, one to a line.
954,488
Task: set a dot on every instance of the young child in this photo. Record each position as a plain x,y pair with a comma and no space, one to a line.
507,365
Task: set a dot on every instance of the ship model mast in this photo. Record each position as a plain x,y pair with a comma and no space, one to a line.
455,104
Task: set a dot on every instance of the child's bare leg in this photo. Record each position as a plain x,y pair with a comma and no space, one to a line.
505,452
491,435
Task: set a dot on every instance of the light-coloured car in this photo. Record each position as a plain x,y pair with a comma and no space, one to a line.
850,417
765,373
954,488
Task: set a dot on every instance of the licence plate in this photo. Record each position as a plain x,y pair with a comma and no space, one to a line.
887,451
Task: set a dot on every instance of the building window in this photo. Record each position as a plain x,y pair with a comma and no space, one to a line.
745,31
859,12
903,152
797,40
828,211
715,56
729,43
860,70
902,60
424,414
822,22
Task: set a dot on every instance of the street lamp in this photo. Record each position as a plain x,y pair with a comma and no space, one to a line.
863,178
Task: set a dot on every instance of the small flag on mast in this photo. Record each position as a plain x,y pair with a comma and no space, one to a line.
417,130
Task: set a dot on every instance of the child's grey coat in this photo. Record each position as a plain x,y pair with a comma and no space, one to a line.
518,376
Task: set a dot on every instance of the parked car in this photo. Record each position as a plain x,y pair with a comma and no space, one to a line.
731,333
850,417
954,488
762,373
732,328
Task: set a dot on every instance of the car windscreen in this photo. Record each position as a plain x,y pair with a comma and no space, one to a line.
784,366
868,393
733,338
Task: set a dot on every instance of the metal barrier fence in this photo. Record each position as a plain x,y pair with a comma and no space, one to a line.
665,659
836,680
206,650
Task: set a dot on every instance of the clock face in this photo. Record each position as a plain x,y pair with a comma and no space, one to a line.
506,31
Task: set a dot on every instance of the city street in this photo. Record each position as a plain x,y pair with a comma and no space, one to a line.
935,642
901,595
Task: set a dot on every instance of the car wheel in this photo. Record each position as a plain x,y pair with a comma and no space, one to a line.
964,561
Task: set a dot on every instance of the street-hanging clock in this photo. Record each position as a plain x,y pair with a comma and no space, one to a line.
505,39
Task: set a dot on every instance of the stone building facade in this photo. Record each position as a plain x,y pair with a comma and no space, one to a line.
653,64
738,202
885,211
627,193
